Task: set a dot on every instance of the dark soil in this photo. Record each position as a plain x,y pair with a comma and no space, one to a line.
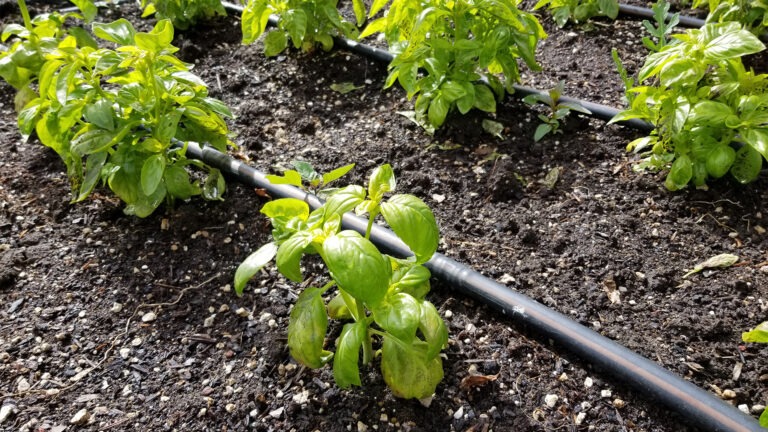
80,284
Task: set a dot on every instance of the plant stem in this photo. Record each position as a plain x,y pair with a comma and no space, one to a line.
367,345
25,14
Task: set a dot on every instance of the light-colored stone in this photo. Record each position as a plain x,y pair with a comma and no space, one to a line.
580,418
588,382
606,393
116,307
209,321
551,400
125,353
729,394
80,418
7,411
148,317
22,385
277,413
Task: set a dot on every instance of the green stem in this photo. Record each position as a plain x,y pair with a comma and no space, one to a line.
371,217
25,14
327,286
367,344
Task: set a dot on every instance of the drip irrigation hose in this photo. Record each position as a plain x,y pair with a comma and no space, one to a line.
642,12
699,407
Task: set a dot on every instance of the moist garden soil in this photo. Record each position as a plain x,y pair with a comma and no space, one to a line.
110,322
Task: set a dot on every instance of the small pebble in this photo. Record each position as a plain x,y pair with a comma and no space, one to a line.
588,382
362,427
7,411
209,321
136,342
116,307
276,413
23,385
148,317
619,403
606,393
459,413
729,394
580,418
230,407
550,400
125,353
448,314
757,408
744,408
243,312
80,418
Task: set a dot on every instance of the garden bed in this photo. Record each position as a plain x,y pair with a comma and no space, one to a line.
604,245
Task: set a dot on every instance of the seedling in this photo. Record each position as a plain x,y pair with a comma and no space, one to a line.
183,13
579,11
304,23
664,24
758,334
112,115
701,100
383,296
558,110
305,174
443,49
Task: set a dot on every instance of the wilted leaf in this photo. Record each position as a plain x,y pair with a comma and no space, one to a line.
494,128
345,87
717,261
550,180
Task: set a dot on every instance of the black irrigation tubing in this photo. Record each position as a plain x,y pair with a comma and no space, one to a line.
699,407
642,12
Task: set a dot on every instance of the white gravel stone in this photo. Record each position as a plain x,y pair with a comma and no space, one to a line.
230,407
116,307
148,317
243,312
209,321
125,353
757,408
80,418
744,408
301,398
22,385
606,393
362,427
276,413
580,418
459,413
729,394
588,382
136,342
550,400
448,314
7,411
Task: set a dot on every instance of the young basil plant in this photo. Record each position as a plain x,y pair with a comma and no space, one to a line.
752,14
381,296
183,13
112,115
443,49
701,100
558,110
579,11
304,23
21,62
304,176
664,24
758,334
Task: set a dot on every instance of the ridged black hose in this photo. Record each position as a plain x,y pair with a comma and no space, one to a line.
699,407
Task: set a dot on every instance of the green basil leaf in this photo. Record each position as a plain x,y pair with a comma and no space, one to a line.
609,8
252,22
337,173
345,369
412,279
178,184
152,173
408,371
438,110
357,266
733,44
719,160
289,255
412,220
399,314
92,141
433,329
484,98
295,22
306,329
287,208
255,262
290,177
758,139
680,173
708,112
274,43
214,186
541,131
93,166
166,126
338,309
344,200
120,32
382,181
758,334
158,39
747,165
101,114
